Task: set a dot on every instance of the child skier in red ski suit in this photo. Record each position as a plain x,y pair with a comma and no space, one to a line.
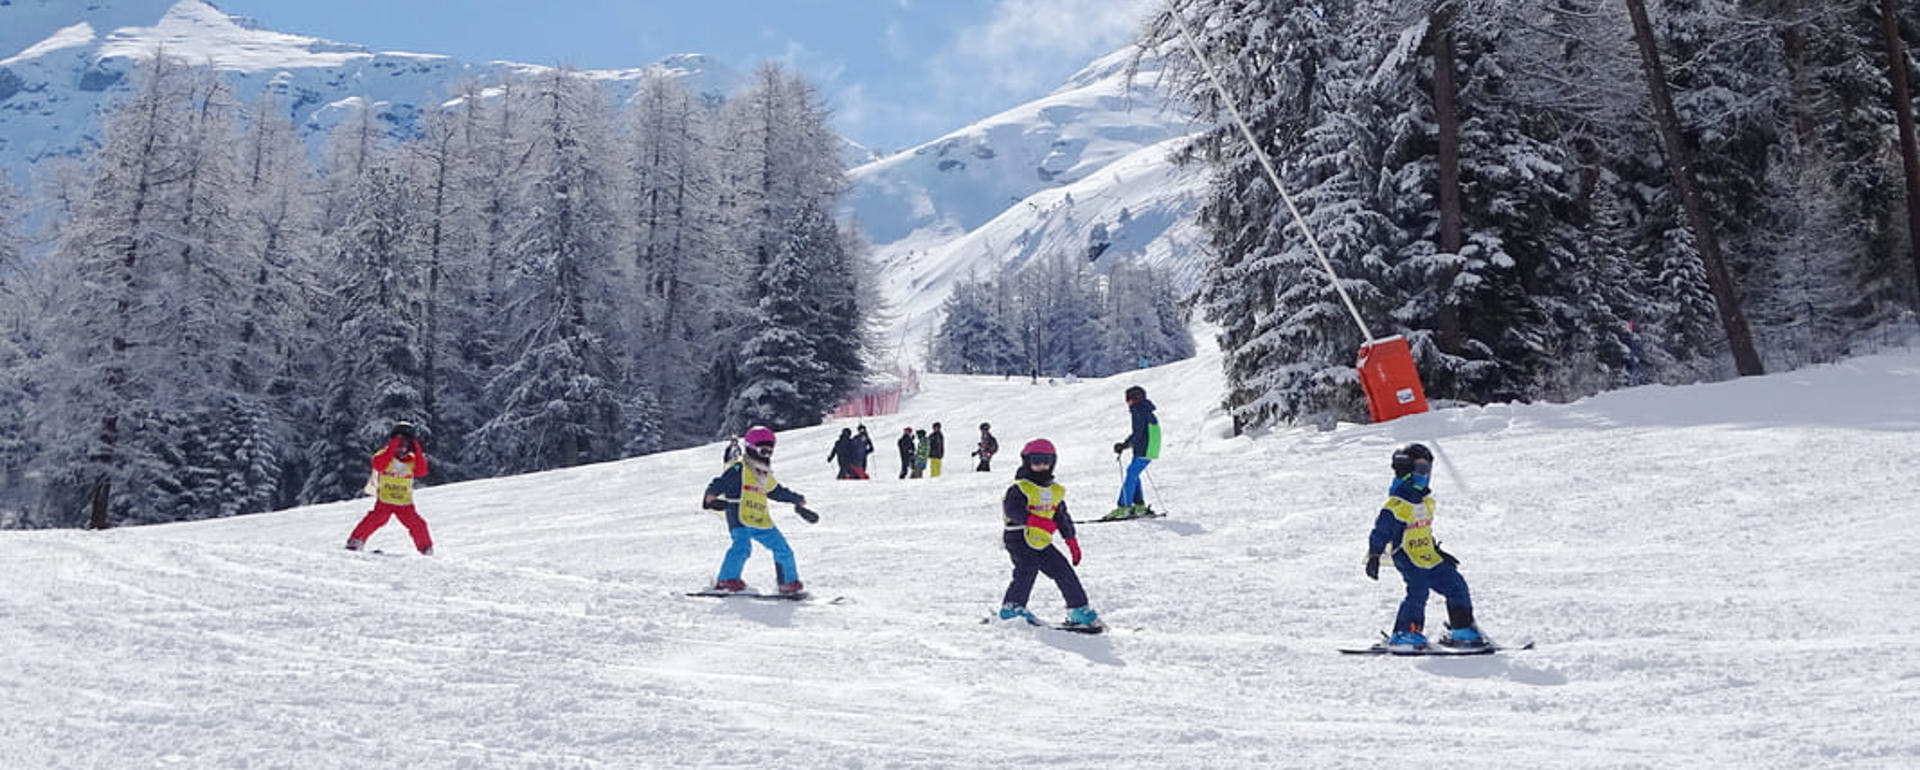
395,468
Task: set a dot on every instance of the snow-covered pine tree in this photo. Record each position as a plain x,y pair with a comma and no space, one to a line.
212,465
1064,299
1142,320
120,249
275,303
1529,318
781,175
447,162
16,449
686,266
372,374
1287,342
1844,179
972,337
839,322
561,399
1726,76
780,357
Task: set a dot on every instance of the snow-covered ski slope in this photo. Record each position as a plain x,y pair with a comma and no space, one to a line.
1716,575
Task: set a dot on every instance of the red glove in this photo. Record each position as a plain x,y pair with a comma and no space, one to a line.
1073,547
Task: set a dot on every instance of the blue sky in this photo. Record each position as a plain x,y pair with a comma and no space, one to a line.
896,72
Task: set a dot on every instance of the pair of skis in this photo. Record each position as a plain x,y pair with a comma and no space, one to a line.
1097,627
1136,517
1432,649
796,597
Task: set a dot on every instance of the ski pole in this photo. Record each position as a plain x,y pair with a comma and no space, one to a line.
1459,481
1147,473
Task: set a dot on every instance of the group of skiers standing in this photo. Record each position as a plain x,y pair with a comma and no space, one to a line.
921,451
1034,516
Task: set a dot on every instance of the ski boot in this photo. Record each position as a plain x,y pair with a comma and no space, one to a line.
733,586
1084,617
355,544
1011,611
1406,641
1466,637
792,588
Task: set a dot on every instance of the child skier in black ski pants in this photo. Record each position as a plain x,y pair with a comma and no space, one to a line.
1035,510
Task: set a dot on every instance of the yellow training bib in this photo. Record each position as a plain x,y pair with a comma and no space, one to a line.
397,489
753,498
1041,505
1417,540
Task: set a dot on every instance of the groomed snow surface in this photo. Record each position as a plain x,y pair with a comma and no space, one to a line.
1717,576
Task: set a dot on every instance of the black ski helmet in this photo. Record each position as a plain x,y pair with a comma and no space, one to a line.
985,427
1136,393
1404,458
403,429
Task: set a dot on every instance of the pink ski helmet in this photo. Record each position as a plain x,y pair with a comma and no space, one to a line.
758,434
759,441
1038,450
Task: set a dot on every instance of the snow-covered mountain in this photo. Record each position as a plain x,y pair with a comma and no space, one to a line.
1082,171
62,63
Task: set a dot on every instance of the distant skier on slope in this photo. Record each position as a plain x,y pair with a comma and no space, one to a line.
394,469
921,445
1034,513
742,491
862,451
1405,528
936,451
906,446
1145,443
843,453
986,449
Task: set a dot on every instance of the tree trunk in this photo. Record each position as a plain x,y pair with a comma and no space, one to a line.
1903,112
1446,118
99,498
1739,338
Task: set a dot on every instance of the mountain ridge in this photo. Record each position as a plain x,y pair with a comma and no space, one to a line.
1081,170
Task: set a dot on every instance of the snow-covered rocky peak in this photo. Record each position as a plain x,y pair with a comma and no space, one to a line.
1081,171
61,65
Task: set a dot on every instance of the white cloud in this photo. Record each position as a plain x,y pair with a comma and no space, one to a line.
1021,49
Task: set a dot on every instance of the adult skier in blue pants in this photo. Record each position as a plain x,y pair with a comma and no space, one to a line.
1145,442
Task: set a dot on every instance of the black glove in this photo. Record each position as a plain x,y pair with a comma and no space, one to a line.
1373,566
809,516
1444,556
716,504
1119,446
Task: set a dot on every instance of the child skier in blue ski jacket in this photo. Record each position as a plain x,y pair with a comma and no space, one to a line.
1034,511
1404,527
742,491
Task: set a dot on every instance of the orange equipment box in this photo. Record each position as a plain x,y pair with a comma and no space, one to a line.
1391,382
